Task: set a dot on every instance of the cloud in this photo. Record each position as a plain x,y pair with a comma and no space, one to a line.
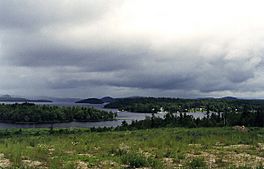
35,14
132,47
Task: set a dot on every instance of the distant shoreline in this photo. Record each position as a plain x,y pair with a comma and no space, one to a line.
54,122
31,101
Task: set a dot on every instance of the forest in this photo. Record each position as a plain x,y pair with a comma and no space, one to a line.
31,113
245,118
173,105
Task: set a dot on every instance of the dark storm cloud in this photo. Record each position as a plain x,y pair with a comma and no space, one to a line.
81,47
202,76
46,53
34,14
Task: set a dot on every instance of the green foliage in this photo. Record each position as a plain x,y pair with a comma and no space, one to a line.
197,163
226,111
30,113
251,119
152,148
136,160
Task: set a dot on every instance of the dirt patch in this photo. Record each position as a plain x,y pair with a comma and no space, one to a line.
87,155
4,163
145,153
260,146
237,146
109,164
209,158
243,159
195,145
124,147
43,146
219,144
169,162
81,165
33,164
51,150
70,152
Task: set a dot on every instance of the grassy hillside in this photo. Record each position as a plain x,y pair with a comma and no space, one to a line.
155,148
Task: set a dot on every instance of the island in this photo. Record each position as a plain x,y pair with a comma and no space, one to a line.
31,113
91,101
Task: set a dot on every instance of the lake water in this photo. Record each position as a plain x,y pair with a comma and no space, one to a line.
121,116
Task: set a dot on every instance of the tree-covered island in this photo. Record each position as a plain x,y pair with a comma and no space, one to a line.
31,113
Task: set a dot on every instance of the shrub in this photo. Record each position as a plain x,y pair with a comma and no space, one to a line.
117,151
197,163
134,160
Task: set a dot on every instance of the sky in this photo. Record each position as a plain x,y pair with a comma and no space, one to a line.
161,48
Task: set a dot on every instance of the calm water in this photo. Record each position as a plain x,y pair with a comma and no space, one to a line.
121,116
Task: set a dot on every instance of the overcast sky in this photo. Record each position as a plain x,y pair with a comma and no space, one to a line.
93,48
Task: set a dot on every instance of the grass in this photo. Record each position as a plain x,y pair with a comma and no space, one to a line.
155,148
197,163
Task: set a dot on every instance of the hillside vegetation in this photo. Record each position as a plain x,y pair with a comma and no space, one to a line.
156,148
172,105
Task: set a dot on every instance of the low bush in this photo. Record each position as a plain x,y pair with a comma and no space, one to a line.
197,163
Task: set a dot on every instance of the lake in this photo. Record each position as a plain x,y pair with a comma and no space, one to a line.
121,116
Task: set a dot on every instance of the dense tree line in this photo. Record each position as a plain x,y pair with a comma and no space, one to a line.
244,118
27,113
220,112
173,105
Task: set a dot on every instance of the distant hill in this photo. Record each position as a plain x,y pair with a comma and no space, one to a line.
72,100
224,98
40,100
229,98
107,99
91,101
59,99
15,99
8,98
203,98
